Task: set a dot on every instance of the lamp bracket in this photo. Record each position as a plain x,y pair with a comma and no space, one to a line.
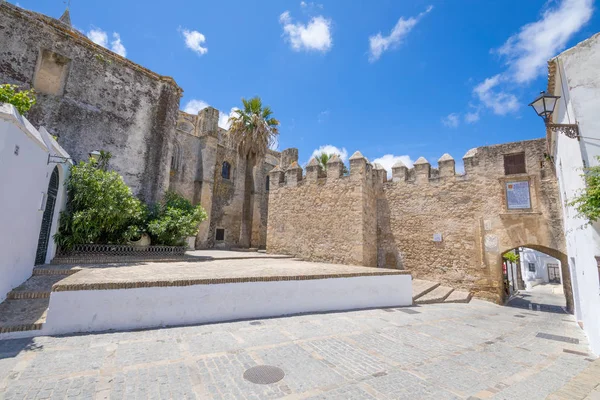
58,159
569,130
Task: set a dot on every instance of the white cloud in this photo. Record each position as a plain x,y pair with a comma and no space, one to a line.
117,46
100,37
451,120
330,149
496,99
314,36
379,43
194,106
387,161
472,117
224,118
528,51
194,41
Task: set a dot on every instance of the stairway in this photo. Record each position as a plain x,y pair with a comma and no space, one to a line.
427,292
26,306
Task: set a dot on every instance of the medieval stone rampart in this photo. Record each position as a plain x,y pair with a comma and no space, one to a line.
443,226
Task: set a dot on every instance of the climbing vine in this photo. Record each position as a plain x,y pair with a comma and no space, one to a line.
23,100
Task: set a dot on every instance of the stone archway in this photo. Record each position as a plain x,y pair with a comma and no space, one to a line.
564,265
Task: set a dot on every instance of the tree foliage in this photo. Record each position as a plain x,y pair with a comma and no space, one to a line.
253,127
174,219
100,208
323,158
23,100
511,256
587,203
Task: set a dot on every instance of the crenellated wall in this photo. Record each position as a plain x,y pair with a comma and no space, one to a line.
447,227
323,215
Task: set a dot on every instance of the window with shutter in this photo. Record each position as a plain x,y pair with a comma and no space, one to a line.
514,164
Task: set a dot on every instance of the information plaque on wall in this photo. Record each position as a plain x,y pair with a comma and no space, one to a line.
517,195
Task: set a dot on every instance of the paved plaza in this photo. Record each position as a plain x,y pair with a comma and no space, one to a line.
438,351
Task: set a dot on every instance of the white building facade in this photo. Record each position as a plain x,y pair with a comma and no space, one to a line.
539,268
574,75
33,169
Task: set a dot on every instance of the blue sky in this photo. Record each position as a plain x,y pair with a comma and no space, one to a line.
389,77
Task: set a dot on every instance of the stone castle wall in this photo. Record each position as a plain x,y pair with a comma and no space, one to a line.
467,214
92,98
322,217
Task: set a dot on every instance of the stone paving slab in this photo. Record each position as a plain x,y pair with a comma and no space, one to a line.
36,287
437,295
23,314
224,271
445,351
458,296
421,287
232,255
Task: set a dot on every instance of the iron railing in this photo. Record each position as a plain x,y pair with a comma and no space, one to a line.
114,253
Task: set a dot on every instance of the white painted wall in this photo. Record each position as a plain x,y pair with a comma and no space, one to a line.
24,181
100,310
578,83
541,261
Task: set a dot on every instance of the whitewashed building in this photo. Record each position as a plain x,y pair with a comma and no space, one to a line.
33,168
539,268
574,75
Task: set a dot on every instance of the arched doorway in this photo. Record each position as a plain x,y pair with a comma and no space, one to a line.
537,277
44,239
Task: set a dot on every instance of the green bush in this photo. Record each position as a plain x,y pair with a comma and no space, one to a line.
100,208
23,100
587,202
174,219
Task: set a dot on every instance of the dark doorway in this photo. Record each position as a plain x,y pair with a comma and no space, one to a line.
44,239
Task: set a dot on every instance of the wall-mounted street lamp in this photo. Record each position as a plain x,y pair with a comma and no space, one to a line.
95,155
544,106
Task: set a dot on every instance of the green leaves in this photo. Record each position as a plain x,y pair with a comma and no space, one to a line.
100,208
23,100
587,203
175,219
253,128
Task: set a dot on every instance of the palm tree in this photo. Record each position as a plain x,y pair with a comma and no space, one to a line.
323,158
253,128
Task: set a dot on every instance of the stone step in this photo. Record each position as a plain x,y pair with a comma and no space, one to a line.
23,315
437,295
421,287
50,269
458,296
36,287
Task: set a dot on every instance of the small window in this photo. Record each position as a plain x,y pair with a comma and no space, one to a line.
267,184
531,267
514,164
220,235
226,170
176,157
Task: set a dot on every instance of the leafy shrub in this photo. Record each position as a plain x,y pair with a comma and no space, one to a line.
587,203
100,208
174,219
23,100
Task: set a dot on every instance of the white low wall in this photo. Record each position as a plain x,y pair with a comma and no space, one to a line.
101,310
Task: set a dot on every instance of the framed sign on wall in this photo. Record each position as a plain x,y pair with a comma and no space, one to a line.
517,195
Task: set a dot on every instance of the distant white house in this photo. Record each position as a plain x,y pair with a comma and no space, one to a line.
33,169
574,75
538,268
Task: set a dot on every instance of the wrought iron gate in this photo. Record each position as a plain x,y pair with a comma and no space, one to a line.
42,248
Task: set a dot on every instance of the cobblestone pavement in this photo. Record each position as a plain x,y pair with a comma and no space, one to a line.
439,351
